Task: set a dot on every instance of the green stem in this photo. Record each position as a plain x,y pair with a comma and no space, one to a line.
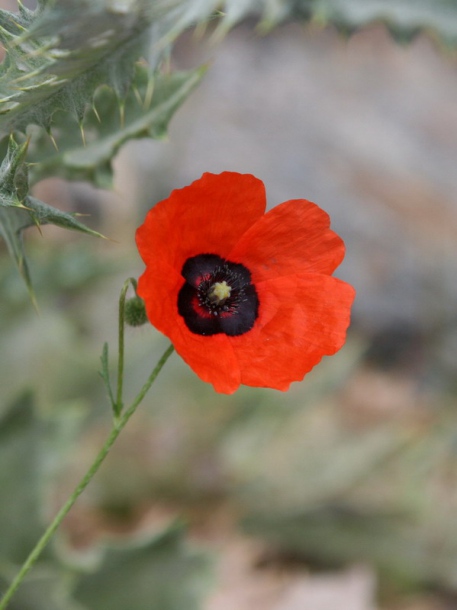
118,406
118,426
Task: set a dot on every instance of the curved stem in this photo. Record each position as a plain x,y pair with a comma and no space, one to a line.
118,405
118,426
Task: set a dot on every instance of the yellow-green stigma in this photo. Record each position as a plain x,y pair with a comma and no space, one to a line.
219,292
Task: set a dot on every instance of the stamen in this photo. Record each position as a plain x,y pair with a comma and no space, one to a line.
218,296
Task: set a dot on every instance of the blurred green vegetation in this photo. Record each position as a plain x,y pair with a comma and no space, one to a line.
330,473
318,472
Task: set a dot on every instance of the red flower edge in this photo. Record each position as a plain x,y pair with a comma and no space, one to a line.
245,297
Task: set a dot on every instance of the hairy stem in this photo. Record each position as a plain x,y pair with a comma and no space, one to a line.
118,405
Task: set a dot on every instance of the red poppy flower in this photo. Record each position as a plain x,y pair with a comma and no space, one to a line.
245,297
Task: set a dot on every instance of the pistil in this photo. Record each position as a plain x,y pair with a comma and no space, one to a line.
219,292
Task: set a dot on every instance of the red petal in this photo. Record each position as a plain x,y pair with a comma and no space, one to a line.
303,314
291,238
159,287
212,358
209,216
206,217
301,319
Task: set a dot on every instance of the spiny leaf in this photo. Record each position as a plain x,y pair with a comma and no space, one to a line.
40,213
59,54
403,18
14,220
105,128
13,214
18,210
13,175
11,225
57,57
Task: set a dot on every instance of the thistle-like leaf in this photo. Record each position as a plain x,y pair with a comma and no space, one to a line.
403,18
107,125
60,53
18,210
13,175
14,220
71,80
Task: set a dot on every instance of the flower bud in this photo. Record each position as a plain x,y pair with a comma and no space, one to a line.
135,312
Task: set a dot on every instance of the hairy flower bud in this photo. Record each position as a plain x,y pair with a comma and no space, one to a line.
135,312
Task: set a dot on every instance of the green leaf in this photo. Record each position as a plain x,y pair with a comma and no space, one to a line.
20,519
403,18
13,175
399,515
145,112
40,213
34,212
104,373
71,65
338,535
19,211
59,54
43,589
160,573
11,224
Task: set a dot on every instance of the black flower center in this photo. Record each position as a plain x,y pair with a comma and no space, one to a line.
217,296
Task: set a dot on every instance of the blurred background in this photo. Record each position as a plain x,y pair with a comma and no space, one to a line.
340,493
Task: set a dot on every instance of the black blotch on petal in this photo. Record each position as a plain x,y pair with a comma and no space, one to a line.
246,314
198,267
234,315
195,320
